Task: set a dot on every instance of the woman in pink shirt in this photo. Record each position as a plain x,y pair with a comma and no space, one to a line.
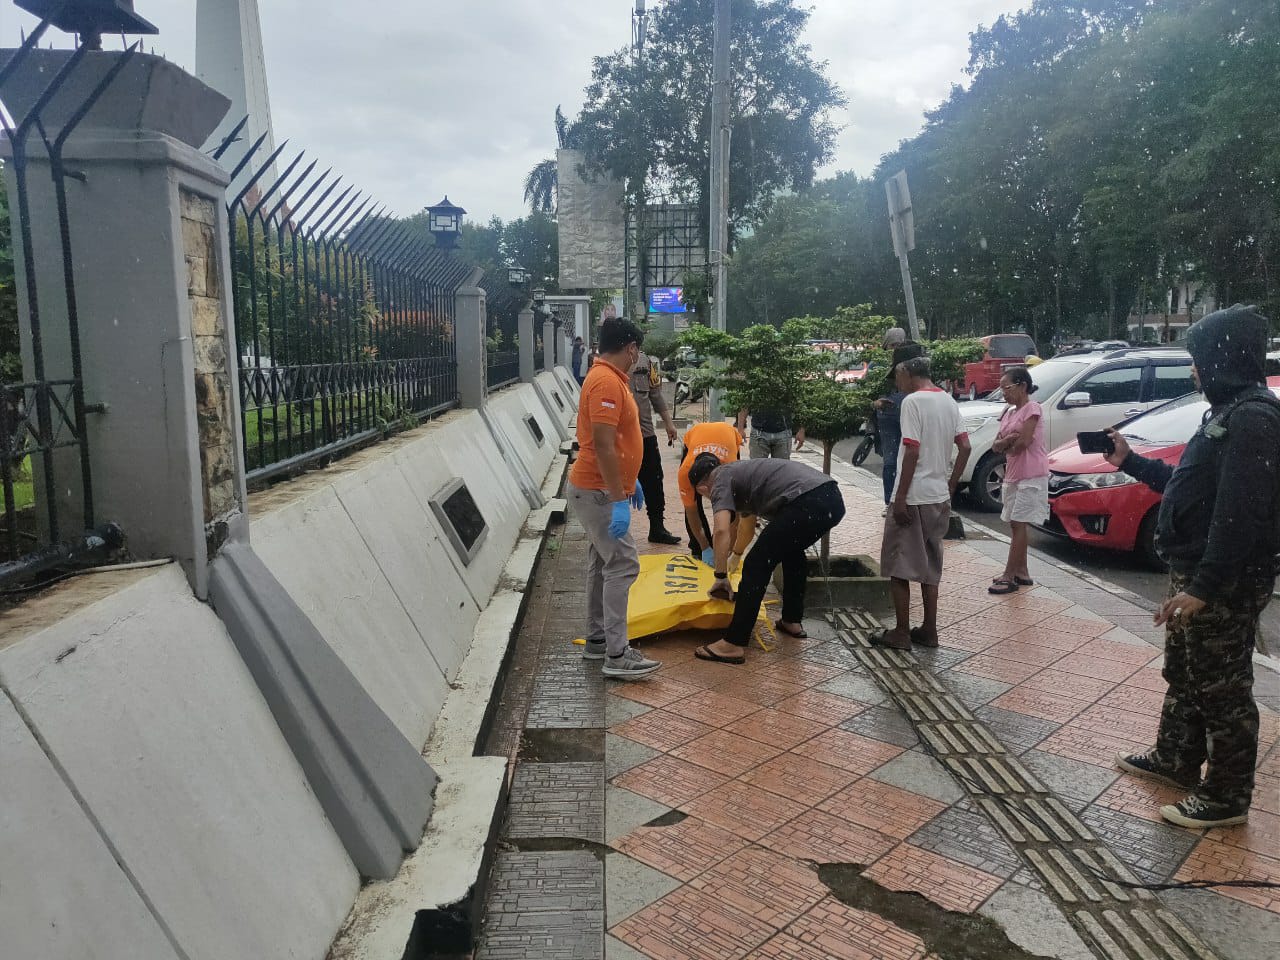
1026,474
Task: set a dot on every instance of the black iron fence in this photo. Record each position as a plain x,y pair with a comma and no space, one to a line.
44,447
502,346
344,316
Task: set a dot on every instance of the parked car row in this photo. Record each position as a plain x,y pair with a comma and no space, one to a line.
1147,392
1077,392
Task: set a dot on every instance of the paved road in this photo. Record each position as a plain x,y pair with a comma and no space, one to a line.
1123,570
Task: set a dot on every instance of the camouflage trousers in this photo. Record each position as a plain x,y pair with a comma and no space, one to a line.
1209,713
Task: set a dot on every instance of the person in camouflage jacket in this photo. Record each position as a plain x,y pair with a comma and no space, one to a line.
1219,530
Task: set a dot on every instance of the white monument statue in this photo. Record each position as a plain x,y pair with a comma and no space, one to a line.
229,58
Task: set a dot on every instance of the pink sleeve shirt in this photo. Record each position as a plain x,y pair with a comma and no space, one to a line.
1033,462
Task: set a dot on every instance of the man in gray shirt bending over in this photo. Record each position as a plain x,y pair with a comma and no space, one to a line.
800,505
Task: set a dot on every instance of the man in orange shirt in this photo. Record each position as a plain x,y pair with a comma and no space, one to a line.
723,440
603,489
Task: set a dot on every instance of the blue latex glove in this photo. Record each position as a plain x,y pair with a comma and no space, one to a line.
637,498
620,520
709,557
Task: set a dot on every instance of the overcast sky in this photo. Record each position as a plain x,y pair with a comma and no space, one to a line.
427,97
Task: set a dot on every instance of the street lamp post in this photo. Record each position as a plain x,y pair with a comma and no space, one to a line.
90,18
444,220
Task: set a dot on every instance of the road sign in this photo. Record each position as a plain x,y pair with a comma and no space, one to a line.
902,225
902,222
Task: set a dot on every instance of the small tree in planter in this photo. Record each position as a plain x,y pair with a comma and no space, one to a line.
763,368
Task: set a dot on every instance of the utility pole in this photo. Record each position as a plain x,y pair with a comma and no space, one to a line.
634,306
718,234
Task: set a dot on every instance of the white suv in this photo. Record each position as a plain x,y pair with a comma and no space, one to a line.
1078,392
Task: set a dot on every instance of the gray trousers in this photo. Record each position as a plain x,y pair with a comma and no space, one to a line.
612,566
766,445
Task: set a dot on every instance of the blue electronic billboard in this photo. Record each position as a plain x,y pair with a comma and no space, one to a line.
667,300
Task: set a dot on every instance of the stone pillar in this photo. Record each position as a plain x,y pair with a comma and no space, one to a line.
469,340
149,228
524,329
582,317
549,344
564,347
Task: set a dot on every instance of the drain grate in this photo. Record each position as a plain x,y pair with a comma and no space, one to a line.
1077,869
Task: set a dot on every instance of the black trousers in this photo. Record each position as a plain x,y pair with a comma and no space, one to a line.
694,549
655,501
797,526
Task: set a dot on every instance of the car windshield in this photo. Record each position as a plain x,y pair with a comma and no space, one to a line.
1049,377
1174,422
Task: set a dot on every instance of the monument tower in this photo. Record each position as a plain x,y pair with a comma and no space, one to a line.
230,59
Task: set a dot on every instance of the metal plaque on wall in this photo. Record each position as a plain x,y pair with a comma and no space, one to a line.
592,237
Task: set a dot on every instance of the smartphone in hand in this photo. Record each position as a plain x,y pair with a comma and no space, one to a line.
1096,441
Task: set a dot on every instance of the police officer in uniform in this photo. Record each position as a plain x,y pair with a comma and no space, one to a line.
1219,530
646,387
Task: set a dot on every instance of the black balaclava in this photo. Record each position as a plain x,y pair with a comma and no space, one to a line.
1229,348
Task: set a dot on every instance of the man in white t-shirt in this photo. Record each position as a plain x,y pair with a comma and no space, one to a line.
921,504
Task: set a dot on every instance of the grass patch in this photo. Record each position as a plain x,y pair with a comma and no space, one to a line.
24,488
299,427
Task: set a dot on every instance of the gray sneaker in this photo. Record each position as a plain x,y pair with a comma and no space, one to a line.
594,650
632,665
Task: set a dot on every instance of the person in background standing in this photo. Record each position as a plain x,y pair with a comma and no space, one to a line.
1026,475
771,433
911,551
603,487
888,409
646,387
579,348
1219,530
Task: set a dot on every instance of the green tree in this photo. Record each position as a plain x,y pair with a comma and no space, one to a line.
812,252
541,186
646,119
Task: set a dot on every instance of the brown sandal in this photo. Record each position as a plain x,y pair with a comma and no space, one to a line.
777,624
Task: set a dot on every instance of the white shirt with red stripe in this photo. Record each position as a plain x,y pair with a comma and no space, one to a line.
931,423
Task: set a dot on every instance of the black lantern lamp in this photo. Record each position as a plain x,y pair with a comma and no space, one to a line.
90,18
517,276
445,223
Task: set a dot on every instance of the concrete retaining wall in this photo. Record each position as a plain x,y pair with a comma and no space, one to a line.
565,377
507,409
360,550
560,403
149,805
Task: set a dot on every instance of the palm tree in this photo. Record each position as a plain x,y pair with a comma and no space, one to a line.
542,183
540,187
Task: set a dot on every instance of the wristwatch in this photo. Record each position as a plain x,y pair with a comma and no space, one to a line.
721,575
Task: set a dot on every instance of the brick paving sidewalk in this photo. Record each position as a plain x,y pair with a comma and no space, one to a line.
726,786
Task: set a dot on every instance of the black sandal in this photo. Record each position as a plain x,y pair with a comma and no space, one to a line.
1024,582
777,624
706,653
1002,586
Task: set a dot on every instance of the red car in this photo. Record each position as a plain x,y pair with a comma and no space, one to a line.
1004,350
1093,503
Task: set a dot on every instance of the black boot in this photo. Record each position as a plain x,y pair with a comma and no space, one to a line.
660,534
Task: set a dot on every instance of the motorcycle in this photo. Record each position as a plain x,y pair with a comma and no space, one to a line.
686,390
871,441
